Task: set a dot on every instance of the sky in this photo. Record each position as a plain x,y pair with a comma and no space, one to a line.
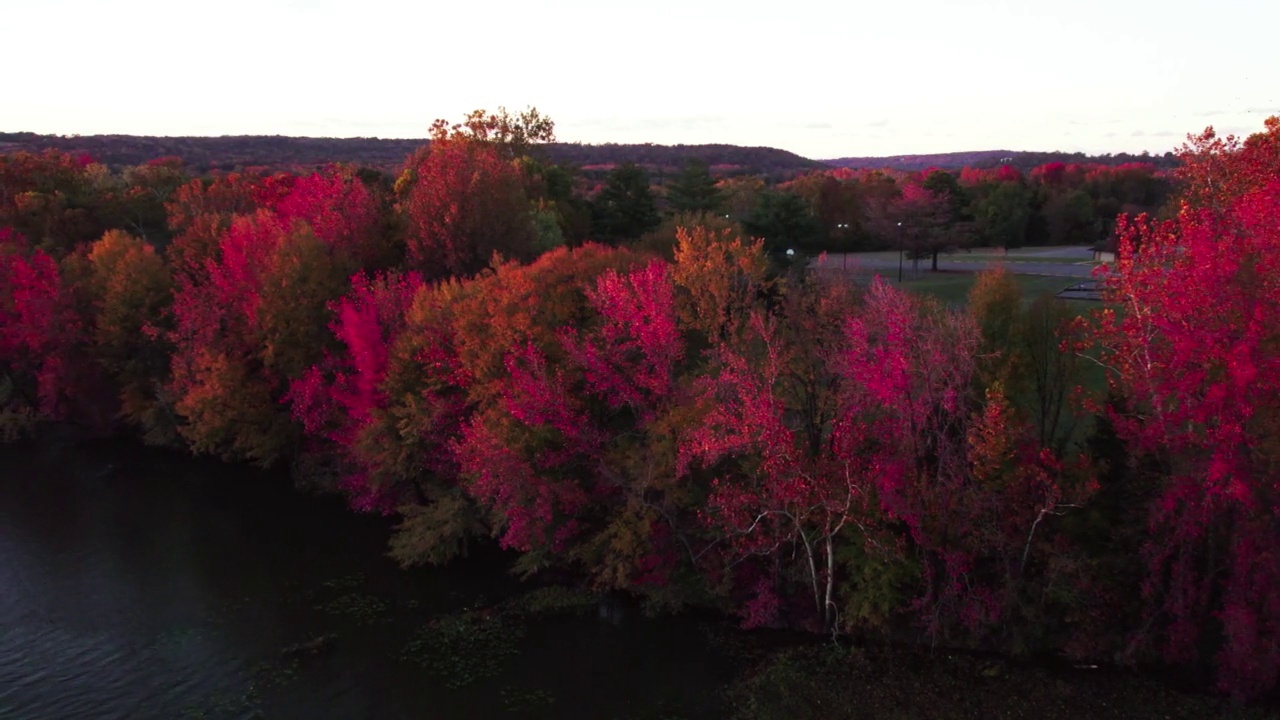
822,79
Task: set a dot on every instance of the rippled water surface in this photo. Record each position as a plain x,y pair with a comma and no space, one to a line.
135,584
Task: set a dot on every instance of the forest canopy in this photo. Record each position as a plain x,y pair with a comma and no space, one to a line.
616,377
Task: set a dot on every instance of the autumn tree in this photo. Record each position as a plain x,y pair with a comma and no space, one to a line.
836,205
253,314
146,189
995,301
40,343
462,202
1199,392
921,223
55,200
448,375
513,136
947,186
720,279
576,460
790,470
977,495
131,291
339,400
1217,170
877,192
200,211
567,359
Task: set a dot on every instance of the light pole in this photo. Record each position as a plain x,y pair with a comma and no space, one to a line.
901,249
844,254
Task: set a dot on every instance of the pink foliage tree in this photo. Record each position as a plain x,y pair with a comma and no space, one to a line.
575,447
41,329
337,400
963,473
250,313
1202,391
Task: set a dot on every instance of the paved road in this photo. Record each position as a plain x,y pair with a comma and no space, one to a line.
1084,269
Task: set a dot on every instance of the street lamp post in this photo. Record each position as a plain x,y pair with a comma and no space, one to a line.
844,254
901,249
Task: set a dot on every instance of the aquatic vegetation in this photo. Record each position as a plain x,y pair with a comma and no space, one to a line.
462,648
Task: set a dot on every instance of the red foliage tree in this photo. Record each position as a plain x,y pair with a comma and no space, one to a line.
1217,170
920,222
777,492
463,201
1201,392
41,330
199,212
252,313
56,200
575,457
964,474
338,399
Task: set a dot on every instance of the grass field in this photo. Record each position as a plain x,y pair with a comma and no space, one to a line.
953,287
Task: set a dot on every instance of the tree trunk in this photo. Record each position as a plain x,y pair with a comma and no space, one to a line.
828,610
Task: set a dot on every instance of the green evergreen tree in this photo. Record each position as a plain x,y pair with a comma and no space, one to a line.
784,221
625,209
694,189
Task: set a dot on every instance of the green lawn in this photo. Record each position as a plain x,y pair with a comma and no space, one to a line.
953,288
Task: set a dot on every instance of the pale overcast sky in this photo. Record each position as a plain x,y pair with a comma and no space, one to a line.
823,79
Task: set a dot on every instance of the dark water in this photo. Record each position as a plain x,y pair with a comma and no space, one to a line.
135,584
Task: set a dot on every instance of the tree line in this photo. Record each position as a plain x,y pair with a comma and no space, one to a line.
297,154
925,212
664,410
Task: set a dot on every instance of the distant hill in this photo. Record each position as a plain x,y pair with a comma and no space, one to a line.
994,158
229,152
722,158
222,153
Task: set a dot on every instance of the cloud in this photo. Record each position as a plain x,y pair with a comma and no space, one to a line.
1263,111
1138,133
817,126
882,122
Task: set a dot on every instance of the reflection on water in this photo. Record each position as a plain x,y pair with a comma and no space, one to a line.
136,584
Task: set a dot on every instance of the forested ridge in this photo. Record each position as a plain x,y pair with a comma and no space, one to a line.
203,154
274,152
1021,159
621,379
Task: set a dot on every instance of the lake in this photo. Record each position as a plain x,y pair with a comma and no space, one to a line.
141,584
